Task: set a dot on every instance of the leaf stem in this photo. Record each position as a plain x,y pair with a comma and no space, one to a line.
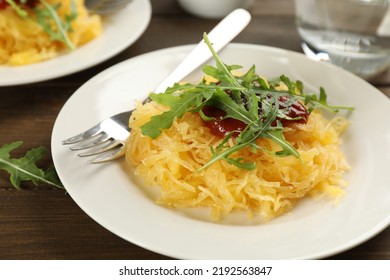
58,23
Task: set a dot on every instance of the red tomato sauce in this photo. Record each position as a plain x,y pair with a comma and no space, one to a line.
221,126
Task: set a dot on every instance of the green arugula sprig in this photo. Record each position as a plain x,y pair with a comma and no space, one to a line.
19,10
311,100
47,15
48,19
25,168
240,98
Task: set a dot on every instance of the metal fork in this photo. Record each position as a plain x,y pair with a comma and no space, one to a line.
108,138
104,7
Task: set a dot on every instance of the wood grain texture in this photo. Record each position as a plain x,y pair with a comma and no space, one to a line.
44,222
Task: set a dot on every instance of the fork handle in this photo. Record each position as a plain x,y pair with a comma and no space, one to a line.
225,31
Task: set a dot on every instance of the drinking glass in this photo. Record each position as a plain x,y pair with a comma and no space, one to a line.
353,34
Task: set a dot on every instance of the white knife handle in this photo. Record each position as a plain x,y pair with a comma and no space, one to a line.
224,32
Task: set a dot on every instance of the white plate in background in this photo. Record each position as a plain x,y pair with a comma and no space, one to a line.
120,30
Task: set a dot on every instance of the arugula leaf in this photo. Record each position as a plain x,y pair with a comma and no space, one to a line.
25,168
186,101
223,154
247,98
53,25
71,17
224,70
19,10
222,101
296,89
287,149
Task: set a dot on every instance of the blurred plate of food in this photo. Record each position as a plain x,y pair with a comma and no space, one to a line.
33,49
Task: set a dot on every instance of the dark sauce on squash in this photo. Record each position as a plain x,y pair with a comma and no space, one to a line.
221,126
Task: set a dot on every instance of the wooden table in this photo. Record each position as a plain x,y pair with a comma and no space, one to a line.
44,222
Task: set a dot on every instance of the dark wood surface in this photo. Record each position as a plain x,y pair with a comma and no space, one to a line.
43,222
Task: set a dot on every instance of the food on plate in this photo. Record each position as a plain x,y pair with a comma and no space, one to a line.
238,142
36,30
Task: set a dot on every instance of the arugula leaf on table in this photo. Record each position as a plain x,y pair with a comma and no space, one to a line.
25,168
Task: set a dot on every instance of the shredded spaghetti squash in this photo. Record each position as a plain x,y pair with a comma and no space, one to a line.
171,162
32,36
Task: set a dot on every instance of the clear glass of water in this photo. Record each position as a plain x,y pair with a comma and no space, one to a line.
353,34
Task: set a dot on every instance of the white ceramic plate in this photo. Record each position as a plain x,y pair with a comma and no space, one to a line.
314,229
120,30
